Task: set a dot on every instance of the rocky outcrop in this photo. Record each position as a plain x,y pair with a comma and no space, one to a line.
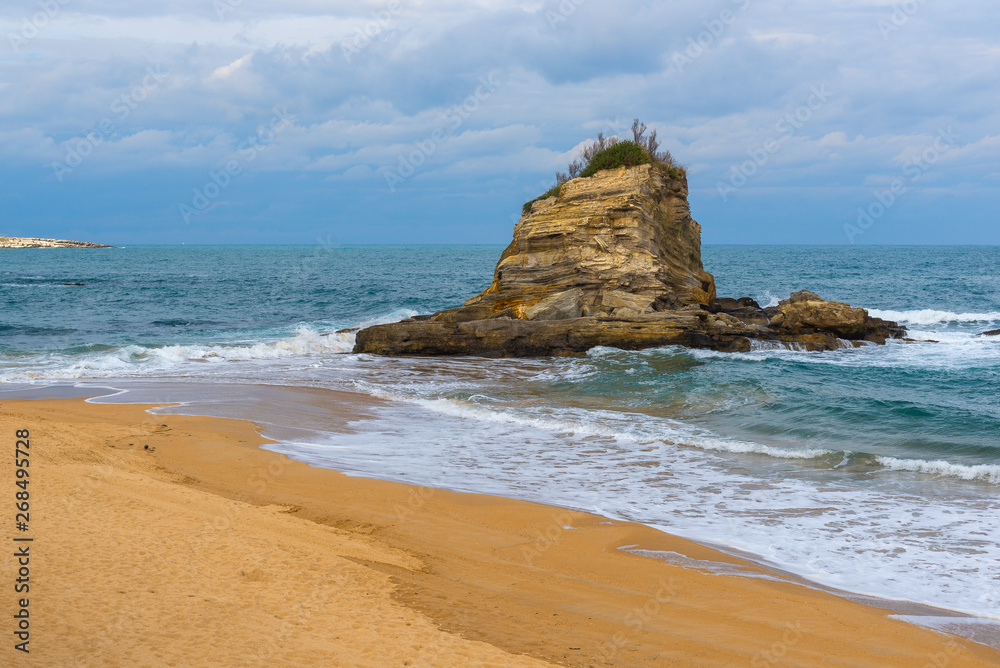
29,242
808,312
995,332
622,241
467,331
615,260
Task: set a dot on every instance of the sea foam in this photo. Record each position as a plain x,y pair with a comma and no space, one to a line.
635,428
846,533
131,360
932,317
134,359
987,472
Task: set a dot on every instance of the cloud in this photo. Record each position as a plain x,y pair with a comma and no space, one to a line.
226,71
368,82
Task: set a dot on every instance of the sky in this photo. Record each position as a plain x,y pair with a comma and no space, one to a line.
432,121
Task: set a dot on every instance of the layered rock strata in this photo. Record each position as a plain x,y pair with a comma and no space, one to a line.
621,239
615,260
806,325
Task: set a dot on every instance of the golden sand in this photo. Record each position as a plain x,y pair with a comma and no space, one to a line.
205,550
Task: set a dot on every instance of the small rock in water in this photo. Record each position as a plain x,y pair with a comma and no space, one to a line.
995,332
802,296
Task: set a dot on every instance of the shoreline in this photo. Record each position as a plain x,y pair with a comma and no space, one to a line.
258,403
491,579
39,242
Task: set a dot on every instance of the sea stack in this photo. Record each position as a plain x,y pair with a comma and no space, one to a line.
614,259
620,242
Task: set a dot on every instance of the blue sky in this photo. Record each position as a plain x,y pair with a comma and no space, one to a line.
432,121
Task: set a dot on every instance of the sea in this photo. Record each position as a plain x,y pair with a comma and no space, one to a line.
872,471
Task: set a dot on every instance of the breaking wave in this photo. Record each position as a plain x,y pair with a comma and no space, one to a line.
987,472
932,317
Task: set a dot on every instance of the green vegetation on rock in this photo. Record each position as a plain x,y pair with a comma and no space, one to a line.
619,154
552,192
612,153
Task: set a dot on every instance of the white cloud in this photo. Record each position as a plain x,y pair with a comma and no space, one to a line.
560,84
226,71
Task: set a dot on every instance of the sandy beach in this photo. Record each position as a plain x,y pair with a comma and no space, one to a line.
205,550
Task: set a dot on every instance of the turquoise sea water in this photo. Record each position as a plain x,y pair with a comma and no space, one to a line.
875,470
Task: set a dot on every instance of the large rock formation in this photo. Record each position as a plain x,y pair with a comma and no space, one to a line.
615,260
621,240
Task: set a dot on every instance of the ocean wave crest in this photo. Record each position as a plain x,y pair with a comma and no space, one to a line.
932,317
674,433
132,359
985,472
